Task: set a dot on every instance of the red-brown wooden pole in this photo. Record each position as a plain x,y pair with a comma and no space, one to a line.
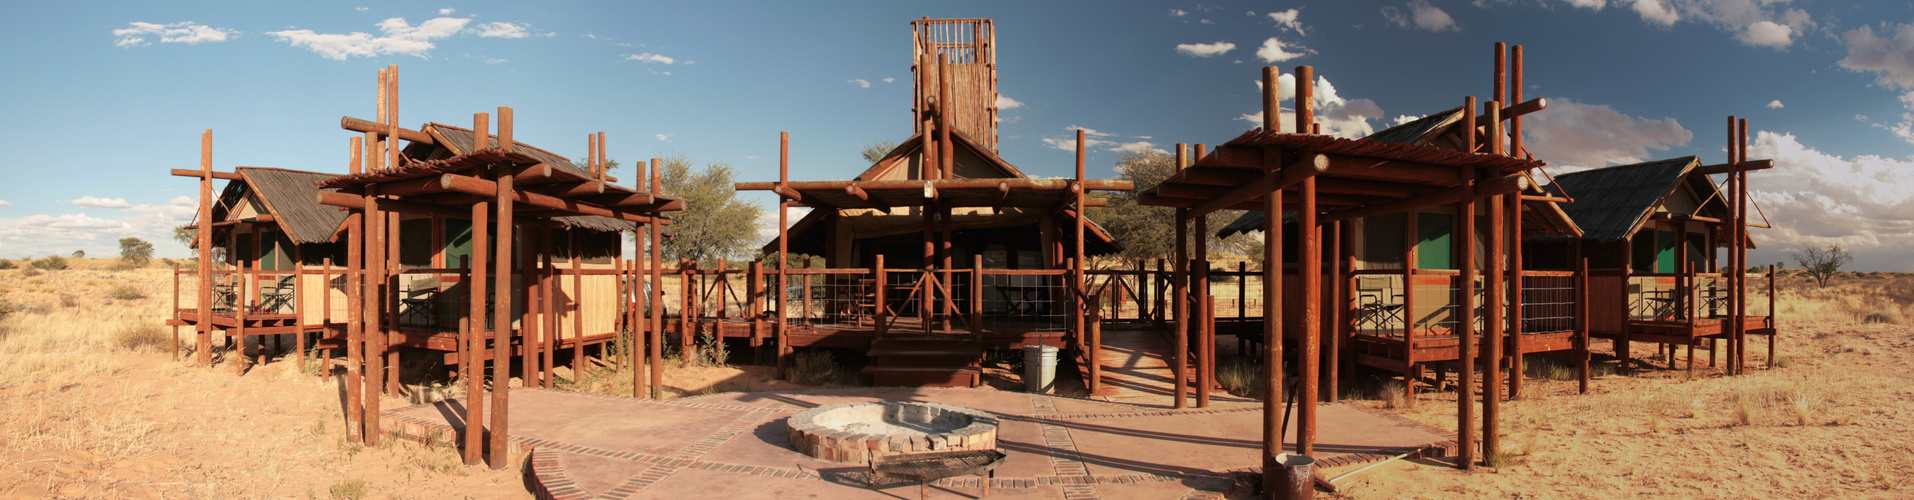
1741,251
548,296
203,238
784,251
1774,329
1332,358
1516,274
376,320
355,324
1076,268
1495,300
1499,89
475,286
1515,95
1734,240
1465,326
656,343
1411,235
1582,320
577,306
502,310
1311,274
878,291
1180,363
1273,429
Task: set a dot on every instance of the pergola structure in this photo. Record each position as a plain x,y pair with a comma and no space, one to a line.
510,195
1327,180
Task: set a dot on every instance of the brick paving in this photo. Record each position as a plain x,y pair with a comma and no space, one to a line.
734,445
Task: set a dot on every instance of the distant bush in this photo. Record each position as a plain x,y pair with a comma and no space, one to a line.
68,300
51,263
29,272
6,308
142,336
127,292
7,264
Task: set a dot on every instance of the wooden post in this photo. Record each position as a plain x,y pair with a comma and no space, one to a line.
1741,251
1774,329
577,308
1205,323
1180,363
1076,270
528,367
1143,285
1311,273
784,249
502,310
376,306
879,289
977,302
1465,360
1494,301
1242,290
475,396
1273,429
203,237
656,341
1582,318
1337,303
1515,95
754,288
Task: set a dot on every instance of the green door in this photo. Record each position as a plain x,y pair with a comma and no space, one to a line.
1434,250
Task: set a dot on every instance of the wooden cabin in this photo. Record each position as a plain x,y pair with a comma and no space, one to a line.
941,242
1384,323
271,227
1654,234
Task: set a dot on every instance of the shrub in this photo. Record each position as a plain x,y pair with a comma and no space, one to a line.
814,368
6,308
348,489
68,300
7,264
1878,318
29,272
127,292
51,263
141,336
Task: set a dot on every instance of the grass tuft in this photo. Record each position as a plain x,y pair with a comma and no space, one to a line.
348,489
142,336
127,292
814,367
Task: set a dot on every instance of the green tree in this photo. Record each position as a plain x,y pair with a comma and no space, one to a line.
715,223
135,251
184,234
1147,232
79,254
1822,263
876,150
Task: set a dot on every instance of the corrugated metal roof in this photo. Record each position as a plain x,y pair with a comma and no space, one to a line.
289,195
1610,203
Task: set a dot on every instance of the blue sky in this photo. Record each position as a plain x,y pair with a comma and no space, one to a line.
104,98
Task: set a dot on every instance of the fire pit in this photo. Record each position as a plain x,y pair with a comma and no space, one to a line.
852,433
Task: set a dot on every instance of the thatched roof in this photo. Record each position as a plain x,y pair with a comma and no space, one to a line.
1612,203
288,196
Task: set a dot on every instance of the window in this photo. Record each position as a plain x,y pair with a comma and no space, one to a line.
415,243
458,242
1665,251
1434,250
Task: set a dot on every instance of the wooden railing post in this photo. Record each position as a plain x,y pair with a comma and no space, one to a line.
879,288
977,298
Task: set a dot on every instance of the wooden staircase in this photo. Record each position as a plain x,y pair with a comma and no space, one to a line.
926,361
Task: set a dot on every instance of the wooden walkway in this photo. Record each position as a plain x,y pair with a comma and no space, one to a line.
1136,364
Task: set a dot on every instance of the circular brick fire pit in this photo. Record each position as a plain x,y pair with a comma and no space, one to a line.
853,432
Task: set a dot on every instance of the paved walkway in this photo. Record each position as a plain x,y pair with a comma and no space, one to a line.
733,445
1135,362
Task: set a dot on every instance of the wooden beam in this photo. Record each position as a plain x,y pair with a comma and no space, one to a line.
1514,110
1356,167
230,176
358,125
1289,175
575,189
482,187
1491,187
1724,168
1057,184
357,202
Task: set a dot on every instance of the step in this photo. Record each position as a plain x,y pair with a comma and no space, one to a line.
924,376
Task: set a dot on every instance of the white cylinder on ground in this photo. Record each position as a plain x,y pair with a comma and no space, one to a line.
1039,368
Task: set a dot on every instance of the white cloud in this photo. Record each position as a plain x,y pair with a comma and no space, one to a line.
860,82
1288,20
187,32
649,58
1205,49
1422,15
1766,34
1179,13
502,30
886,79
445,11
1004,102
400,38
1574,134
1340,117
1820,199
1401,119
1860,118
361,9
767,222
1652,11
1136,146
92,202
1275,50
1589,4
664,137
1891,57
1206,21
1775,104
5,203
496,60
